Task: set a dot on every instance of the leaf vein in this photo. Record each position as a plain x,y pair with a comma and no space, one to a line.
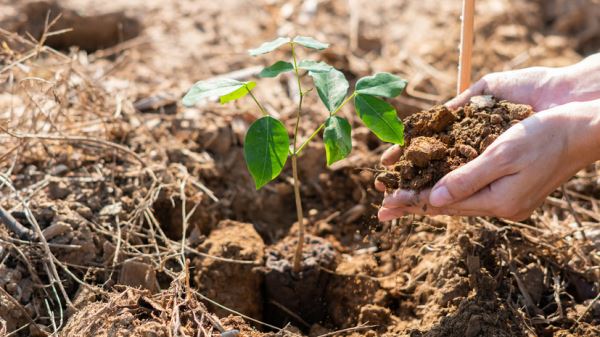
379,115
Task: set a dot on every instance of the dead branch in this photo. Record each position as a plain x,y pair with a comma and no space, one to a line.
15,226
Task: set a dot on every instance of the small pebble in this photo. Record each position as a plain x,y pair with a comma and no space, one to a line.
483,101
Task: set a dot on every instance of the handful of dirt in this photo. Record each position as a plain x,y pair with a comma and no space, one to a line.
438,140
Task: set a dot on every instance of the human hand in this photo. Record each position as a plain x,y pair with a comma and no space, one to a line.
514,174
540,87
529,86
535,87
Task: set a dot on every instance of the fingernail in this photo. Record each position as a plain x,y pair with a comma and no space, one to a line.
440,196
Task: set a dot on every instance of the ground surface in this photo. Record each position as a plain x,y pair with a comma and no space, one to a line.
106,172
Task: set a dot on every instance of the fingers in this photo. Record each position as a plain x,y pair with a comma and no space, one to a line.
386,214
471,189
391,155
379,186
479,88
504,198
405,202
471,177
388,158
406,198
481,202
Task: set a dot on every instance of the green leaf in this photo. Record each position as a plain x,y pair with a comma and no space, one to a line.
266,149
314,66
268,47
309,42
380,117
337,137
381,84
332,87
214,88
276,69
241,92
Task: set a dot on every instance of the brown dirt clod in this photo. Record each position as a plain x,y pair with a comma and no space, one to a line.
439,140
234,285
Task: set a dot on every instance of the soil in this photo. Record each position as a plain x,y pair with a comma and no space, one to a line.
234,285
438,140
137,216
303,293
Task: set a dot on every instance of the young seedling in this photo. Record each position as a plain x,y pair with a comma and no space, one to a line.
267,142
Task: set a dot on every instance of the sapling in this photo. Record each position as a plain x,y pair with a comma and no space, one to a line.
267,143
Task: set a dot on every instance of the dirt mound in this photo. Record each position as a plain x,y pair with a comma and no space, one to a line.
439,140
483,303
347,294
476,280
472,300
232,281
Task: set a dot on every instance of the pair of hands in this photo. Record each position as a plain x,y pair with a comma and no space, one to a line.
514,174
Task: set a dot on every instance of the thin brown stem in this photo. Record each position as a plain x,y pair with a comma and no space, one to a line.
314,134
301,98
262,109
299,247
299,213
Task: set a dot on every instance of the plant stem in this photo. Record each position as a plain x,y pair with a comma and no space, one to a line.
301,98
262,109
299,247
314,134
299,213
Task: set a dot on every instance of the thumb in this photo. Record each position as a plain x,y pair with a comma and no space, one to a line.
466,180
463,98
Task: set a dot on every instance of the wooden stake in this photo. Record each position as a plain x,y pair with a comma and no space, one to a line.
466,45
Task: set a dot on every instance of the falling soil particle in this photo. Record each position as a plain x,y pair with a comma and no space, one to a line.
439,140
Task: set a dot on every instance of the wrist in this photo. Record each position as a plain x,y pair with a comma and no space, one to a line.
577,82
